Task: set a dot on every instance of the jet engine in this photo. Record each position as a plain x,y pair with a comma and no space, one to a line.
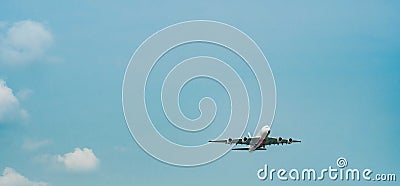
279,140
229,141
242,140
290,140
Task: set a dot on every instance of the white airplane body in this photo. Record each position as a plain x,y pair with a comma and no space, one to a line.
257,142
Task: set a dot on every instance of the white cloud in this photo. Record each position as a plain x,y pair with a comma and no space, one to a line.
10,109
31,144
12,178
81,160
26,41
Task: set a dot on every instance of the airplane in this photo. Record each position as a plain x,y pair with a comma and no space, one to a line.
257,142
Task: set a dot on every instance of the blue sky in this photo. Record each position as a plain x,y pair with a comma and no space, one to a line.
336,66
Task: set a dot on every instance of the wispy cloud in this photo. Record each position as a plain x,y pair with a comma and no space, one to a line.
11,177
32,144
121,149
24,94
25,41
2,24
10,109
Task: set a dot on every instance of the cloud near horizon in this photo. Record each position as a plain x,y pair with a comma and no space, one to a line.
10,177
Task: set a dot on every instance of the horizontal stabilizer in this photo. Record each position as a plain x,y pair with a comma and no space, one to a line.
260,148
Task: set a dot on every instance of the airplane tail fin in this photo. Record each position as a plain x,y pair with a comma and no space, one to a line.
249,135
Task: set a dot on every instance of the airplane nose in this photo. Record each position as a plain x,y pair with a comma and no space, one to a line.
266,130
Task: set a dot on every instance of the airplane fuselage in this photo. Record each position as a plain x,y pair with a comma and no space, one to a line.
263,134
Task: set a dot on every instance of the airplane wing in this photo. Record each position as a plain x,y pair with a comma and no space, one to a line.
244,140
277,141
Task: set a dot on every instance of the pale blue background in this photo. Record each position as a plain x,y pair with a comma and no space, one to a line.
336,66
